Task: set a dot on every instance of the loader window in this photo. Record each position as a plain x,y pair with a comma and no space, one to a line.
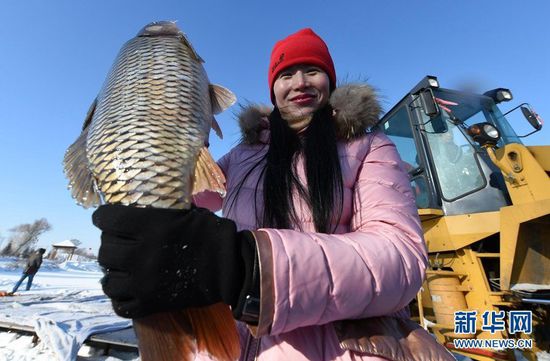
473,109
398,129
455,161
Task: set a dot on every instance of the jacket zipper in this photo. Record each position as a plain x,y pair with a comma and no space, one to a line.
252,343
257,348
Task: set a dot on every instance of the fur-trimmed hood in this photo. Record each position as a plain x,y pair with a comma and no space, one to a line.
356,109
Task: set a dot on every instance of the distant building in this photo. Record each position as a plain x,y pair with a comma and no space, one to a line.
66,247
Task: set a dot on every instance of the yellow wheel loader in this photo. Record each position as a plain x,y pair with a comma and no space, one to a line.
484,201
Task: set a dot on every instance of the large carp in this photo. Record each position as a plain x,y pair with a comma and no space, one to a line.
143,144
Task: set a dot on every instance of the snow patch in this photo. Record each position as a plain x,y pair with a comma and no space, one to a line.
64,306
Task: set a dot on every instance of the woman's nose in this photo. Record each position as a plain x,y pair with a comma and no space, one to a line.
299,80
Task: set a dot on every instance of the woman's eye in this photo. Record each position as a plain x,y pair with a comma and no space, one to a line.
312,71
285,76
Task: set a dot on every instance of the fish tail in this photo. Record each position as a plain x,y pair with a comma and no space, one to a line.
166,336
215,331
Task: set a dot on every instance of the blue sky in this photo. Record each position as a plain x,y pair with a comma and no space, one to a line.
54,56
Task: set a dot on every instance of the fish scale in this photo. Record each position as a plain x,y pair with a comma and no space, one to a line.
143,97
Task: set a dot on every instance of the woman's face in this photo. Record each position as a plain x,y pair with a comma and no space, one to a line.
300,90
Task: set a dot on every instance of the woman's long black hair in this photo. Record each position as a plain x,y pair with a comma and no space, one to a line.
324,191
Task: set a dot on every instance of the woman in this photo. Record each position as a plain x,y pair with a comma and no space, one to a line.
320,236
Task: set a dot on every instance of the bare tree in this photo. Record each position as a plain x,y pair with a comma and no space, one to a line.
85,252
2,239
25,236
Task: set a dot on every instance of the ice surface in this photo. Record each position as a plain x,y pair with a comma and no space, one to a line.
64,306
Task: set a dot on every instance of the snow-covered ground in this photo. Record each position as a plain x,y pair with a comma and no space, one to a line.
64,306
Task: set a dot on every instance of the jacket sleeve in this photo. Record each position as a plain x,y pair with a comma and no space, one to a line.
28,265
375,269
212,200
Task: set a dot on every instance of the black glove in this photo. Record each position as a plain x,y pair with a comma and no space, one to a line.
165,259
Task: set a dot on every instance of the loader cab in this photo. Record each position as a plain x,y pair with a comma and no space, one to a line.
450,173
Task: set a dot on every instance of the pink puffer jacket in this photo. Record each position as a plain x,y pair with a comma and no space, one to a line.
373,265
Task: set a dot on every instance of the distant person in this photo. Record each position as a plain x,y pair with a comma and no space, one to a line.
33,265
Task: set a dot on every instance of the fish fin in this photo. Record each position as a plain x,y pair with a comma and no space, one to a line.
90,114
221,98
208,175
187,43
217,128
81,181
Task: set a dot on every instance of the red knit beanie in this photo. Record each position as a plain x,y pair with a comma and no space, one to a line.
302,47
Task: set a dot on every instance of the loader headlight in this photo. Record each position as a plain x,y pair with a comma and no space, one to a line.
484,134
429,81
432,80
504,95
491,131
500,95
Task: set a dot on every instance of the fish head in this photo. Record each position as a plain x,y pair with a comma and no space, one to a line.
160,28
168,28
